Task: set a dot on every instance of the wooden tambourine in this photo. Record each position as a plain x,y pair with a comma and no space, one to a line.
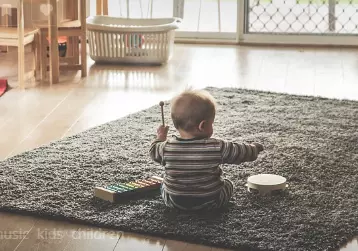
266,183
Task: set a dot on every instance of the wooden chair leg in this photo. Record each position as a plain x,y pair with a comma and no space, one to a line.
43,56
38,56
21,46
83,56
53,37
99,7
35,50
83,38
76,50
69,49
105,7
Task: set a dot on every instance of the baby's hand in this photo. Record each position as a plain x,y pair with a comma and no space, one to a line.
162,132
259,147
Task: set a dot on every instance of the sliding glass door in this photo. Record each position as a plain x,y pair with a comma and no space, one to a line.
251,21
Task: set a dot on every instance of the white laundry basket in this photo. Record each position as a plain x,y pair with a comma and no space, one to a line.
121,40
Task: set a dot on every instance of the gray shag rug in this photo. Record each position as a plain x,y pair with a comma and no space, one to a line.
311,141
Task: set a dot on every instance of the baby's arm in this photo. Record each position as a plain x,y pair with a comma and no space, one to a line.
157,146
156,150
236,153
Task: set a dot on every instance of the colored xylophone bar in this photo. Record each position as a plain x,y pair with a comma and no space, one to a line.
115,193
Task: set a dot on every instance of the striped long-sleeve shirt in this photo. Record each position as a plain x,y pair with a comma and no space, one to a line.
192,167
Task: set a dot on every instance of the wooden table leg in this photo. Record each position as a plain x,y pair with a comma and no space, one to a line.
21,45
53,34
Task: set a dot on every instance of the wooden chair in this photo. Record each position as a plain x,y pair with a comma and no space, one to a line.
9,36
74,28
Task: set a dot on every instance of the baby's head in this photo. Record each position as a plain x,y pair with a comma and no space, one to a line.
193,113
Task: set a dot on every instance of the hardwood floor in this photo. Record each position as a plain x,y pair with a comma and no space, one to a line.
45,113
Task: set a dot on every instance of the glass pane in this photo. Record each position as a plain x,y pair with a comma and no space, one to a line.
191,15
162,8
204,16
199,15
137,8
229,15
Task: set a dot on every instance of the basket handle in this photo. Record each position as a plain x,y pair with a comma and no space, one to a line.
177,22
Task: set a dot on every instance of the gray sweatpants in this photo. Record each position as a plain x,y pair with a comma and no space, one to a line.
200,203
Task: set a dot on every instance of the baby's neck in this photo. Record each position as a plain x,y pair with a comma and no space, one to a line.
188,135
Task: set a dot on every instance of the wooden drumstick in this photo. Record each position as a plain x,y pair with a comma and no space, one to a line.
161,103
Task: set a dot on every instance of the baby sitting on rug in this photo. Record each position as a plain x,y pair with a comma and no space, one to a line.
193,177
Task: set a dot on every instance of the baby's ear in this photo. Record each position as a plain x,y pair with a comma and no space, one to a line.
202,125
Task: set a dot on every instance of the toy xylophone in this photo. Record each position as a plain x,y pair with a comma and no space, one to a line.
115,193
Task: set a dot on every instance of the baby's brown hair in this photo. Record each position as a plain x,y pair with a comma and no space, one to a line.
191,107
